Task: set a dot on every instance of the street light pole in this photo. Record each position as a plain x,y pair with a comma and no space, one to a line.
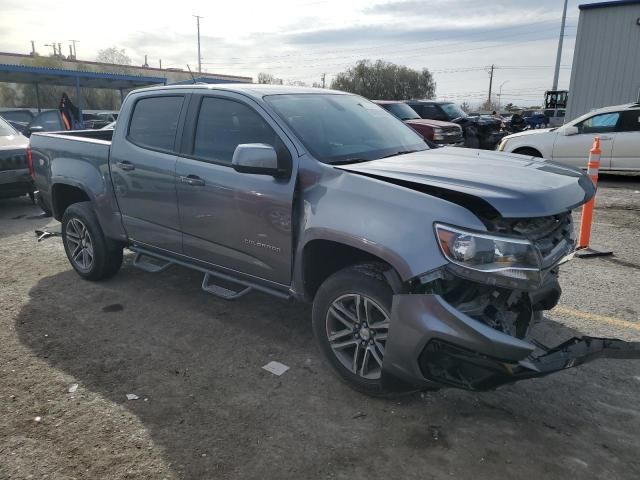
198,17
500,95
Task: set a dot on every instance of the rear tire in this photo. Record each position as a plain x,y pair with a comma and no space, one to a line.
91,254
529,152
351,315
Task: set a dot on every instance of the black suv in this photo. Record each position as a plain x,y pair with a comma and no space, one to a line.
482,131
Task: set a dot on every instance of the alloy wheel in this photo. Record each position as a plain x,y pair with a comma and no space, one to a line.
79,244
357,328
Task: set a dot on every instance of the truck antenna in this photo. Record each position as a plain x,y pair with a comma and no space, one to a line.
191,73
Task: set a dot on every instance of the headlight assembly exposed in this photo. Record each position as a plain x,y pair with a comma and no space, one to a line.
490,258
438,134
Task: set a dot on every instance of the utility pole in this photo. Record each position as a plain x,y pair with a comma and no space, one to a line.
198,17
559,54
323,77
52,45
490,82
75,54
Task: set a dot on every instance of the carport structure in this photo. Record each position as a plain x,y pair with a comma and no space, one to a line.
74,78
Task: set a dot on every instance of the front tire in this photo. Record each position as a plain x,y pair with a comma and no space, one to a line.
92,256
351,317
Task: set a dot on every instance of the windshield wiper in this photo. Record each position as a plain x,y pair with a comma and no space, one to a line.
350,160
401,152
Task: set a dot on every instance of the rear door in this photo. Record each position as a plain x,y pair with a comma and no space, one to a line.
143,164
626,147
574,149
234,220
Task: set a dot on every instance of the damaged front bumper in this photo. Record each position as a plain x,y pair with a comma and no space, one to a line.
431,343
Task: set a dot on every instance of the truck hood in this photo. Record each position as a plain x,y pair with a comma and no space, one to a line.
13,141
526,133
429,123
511,185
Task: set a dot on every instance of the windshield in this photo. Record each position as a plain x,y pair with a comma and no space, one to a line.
342,128
6,129
452,110
401,110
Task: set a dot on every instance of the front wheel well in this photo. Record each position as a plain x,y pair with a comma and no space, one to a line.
323,258
528,151
63,195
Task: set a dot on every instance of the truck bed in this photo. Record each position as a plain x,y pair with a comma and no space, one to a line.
81,135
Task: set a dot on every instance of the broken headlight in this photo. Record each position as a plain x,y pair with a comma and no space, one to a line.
490,259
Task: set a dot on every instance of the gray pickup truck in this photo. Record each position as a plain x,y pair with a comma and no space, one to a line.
425,267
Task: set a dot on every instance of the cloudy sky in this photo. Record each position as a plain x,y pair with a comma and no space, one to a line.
300,40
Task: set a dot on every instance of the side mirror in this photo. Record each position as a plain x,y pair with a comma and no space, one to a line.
257,158
569,130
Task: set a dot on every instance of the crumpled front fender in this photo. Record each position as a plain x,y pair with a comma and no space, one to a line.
417,319
431,343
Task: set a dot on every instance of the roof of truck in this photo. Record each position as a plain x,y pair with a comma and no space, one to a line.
252,89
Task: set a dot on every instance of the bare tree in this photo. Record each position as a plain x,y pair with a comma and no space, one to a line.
385,80
269,79
465,107
114,55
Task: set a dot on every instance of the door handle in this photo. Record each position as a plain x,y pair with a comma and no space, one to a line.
192,180
125,165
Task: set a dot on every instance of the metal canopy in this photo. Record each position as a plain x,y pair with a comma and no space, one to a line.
75,78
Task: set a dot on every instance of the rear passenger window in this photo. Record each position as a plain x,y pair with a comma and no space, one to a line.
431,111
225,124
155,121
630,121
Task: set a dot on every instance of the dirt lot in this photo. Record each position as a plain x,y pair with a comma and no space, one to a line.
207,410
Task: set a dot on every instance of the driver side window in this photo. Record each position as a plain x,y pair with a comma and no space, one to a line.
603,123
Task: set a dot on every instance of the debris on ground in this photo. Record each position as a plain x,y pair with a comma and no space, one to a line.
359,415
132,396
72,388
38,419
276,368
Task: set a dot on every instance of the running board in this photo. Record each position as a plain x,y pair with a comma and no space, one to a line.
223,292
149,263
153,262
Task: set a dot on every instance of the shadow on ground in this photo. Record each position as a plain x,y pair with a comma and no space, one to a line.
216,414
14,212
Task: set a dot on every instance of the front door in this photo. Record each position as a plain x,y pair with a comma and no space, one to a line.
143,163
574,149
626,148
238,221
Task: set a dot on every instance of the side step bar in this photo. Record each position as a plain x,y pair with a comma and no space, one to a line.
153,262
222,292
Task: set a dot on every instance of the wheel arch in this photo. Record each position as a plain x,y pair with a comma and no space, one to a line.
65,194
525,149
320,258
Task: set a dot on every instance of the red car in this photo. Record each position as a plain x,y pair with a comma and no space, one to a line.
443,134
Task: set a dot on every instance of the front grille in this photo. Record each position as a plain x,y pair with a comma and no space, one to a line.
452,134
13,159
553,236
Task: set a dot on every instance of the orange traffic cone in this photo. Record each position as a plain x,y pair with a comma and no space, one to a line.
584,251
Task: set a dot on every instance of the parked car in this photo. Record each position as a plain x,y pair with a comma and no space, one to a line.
442,134
15,180
481,131
95,121
555,116
536,120
618,128
425,266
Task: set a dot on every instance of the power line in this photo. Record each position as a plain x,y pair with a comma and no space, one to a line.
421,49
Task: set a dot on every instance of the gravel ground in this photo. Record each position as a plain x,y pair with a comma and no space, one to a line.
207,410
